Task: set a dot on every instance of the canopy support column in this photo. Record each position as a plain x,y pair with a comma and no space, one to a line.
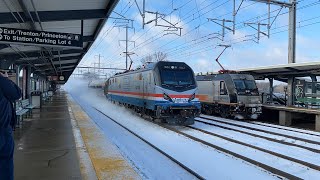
290,91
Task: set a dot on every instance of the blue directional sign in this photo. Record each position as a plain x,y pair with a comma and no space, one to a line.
41,38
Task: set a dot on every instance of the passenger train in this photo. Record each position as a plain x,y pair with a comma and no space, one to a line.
230,95
162,90
97,83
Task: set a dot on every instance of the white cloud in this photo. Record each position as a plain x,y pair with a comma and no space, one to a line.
202,65
242,55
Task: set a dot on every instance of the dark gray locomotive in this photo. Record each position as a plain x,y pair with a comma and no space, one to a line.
230,95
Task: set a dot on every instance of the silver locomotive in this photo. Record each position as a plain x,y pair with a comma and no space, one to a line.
162,90
230,95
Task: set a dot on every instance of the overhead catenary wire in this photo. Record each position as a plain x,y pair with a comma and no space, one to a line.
285,13
198,41
152,27
187,22
253,18
241,39
106,33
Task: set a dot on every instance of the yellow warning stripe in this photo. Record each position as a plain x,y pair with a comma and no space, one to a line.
106,160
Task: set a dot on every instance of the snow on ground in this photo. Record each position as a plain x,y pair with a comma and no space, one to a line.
265,158
288,128
276,137
270,129
271,160
206,161
136,151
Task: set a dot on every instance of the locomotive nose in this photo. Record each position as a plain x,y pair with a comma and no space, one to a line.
184,113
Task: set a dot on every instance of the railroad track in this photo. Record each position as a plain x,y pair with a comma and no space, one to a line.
313,166
264,135
255,127
155,147
297,130
274,126
270,168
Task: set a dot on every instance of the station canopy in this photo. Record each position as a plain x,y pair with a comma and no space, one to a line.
282,72
55,34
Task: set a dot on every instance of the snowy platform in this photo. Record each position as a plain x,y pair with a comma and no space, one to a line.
107,161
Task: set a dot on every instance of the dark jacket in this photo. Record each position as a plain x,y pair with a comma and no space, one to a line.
9,92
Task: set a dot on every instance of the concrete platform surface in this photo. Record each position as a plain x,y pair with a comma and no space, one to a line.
45,146
105,156
61,142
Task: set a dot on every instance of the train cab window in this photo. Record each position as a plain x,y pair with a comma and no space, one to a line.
223,88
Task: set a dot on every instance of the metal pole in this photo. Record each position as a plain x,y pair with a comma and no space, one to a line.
292,38
99,66
269,20
271,89
144,12
234,17
292,32
126,47
292,47
223,27
314,85
290,91
17,75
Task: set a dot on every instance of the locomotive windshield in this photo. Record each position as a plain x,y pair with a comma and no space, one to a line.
171,77
176,77
250,84
243,86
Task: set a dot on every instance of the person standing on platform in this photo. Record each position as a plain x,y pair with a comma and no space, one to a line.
9,92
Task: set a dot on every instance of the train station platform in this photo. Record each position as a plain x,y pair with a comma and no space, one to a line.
60,141
286,114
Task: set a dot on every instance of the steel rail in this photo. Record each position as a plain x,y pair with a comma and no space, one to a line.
247,159
260,136
153,146
257,163
270,132
310,165
277,127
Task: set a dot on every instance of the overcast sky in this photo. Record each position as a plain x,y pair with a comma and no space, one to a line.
197,45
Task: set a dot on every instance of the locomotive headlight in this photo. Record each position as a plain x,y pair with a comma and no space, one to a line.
167,97
259,102
192,97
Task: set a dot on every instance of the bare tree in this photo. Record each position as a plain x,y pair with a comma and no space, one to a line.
147,59
160,56
155,57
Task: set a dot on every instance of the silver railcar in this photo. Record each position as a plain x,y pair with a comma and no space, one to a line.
163,90
230,95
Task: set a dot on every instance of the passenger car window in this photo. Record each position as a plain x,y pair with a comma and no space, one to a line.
223,89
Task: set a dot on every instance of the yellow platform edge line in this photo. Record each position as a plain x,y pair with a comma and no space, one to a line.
86,167
107,163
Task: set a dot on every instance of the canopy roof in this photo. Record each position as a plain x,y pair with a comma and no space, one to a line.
282,72
84,17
